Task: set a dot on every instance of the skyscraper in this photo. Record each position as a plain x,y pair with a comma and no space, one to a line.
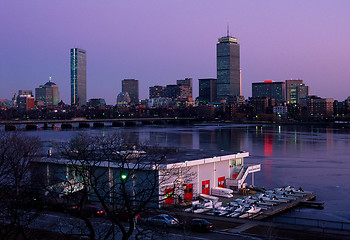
78,76
228,68
131,86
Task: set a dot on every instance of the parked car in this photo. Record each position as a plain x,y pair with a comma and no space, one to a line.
93,211
201,225
163,220
87,210
125,216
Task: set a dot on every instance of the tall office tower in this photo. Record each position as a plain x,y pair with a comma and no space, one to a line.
270,89
207,90
48,94
185,87
228,68
131,86
156,91
295,91
78,76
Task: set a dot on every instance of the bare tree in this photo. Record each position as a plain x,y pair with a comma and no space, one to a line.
19,204
123,178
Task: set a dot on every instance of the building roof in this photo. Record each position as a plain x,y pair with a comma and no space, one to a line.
49,84
175,157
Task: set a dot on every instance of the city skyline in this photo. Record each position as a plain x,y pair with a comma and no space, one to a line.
281,41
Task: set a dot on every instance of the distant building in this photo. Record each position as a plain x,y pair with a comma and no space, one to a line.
184,102
131,86
160,102
123,99
172,91
260,104
228,68
296,90
78,76
48,94
96,102
156,91
25,100
25,92
185,87
281,110
207,90
317,106
270,89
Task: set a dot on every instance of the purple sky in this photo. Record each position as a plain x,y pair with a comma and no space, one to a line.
159,42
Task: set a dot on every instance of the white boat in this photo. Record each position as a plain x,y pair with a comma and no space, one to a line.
237,212
254,209
201,210
222,192
250,199
208,197
268,198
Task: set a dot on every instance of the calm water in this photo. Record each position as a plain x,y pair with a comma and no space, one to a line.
315,158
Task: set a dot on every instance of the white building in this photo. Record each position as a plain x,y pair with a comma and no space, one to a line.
203,172
183,176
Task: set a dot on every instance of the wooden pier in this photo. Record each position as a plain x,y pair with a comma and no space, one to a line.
285,206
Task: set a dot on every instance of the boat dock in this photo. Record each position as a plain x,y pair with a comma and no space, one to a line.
307,199
312,204
260,205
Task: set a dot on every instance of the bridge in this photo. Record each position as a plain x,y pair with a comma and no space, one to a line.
85,123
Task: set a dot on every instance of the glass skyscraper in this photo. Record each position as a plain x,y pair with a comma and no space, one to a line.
78,76
228,68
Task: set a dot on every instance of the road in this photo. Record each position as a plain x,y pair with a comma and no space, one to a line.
66,224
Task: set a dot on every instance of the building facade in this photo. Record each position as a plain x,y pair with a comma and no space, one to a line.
131,86
228,68
123,99
78,76
156,91
207,90
25,100
185,87
96,102
296,90
172,91
317,106
270,89
48,94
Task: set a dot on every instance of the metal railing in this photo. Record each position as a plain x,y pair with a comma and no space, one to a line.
317,223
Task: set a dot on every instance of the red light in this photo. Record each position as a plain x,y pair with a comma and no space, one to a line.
268,81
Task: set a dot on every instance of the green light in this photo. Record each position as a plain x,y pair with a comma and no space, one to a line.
123,176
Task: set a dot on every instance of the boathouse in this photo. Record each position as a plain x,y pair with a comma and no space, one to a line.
183,175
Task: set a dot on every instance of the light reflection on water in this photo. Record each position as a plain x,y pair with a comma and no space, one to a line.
315,158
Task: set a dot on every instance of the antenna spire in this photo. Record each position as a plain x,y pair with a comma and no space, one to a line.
228,30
